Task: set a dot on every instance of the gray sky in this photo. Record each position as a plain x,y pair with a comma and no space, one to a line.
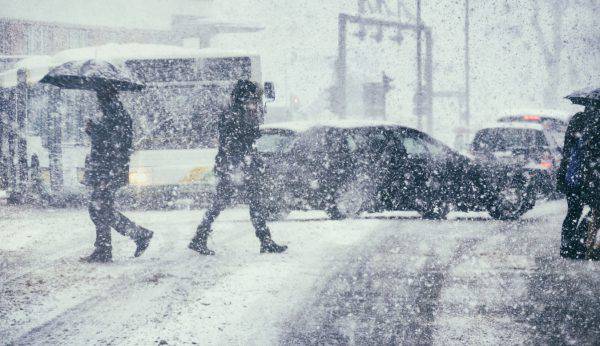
299,45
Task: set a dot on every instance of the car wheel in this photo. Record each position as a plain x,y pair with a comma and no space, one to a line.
513,200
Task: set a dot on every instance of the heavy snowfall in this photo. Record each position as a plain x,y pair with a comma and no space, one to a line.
356,172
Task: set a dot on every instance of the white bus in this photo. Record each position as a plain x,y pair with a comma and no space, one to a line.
175,116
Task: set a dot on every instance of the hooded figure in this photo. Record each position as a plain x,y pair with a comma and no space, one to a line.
578,177
107,170
238,129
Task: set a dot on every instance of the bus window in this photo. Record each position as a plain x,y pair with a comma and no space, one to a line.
225,69
163,70
176,117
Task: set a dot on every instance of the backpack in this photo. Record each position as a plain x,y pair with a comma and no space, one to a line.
575,168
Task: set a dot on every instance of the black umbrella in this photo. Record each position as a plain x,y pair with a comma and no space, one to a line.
91,75
585,96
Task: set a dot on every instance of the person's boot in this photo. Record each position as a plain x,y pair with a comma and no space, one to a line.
100,255
198,243
574,249
142,242
572,255
267,245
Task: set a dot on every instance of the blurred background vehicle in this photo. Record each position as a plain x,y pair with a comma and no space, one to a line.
554,122
529,145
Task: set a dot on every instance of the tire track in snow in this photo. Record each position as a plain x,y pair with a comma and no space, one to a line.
430,283
379,298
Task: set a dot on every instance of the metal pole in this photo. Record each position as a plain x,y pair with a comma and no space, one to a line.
3,122
467,116
341,68
55,146
11,126
428,94
419,98
22,166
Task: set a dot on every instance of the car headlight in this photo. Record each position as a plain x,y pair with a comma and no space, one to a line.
140,176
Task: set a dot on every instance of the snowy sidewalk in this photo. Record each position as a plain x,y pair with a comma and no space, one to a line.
170,293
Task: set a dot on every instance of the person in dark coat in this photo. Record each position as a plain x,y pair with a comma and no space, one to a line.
572,239
107,170
238,129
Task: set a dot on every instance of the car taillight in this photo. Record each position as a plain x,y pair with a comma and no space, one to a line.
546,164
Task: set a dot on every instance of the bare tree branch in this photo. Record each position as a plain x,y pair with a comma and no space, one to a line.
535,22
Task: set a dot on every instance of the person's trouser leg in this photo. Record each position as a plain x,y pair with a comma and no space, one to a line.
100,209
254,191
126,227
573,237
220,201
258,212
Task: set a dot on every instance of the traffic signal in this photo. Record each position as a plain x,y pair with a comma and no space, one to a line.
387,82
294,103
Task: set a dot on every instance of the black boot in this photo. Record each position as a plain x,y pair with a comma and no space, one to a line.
198,243
142,242
100,255
572,253
267,245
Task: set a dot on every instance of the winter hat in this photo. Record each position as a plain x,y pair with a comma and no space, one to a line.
245,90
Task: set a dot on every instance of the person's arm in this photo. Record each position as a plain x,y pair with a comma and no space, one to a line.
573,129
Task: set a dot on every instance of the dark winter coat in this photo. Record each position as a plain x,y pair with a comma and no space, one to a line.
575,129
111,139
590,193
238,131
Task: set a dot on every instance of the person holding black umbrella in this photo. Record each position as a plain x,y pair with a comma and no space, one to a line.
238,129
577,172
107,165
107,170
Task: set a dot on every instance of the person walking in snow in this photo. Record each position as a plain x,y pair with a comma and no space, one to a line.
238,129
576,175
107,170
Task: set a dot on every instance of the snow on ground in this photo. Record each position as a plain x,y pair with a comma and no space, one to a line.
461,276
170,293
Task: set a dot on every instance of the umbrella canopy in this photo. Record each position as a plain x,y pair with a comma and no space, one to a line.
91,75
585,96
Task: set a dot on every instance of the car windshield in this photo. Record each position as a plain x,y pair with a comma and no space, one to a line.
313,141
274,142
499,139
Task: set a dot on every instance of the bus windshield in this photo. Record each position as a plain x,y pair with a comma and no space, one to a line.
182,101
176,117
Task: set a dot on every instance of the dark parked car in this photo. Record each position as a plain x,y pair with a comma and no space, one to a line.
348,168
527,145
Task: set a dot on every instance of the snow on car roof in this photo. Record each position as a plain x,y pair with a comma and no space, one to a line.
550,113
296,126
300,126
355,123
519,125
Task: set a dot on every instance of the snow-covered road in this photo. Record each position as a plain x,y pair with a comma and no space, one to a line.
386,278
